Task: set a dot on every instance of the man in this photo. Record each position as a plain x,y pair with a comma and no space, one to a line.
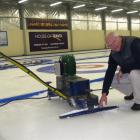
125,52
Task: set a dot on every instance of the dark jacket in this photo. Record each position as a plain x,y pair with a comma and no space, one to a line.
128,58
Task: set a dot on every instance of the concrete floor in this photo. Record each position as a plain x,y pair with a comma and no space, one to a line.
39,119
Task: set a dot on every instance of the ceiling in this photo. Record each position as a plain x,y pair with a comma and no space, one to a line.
127,5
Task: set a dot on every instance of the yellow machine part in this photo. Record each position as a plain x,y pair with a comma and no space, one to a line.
29,72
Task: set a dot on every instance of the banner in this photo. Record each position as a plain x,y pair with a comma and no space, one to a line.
3,38
53,24
42,41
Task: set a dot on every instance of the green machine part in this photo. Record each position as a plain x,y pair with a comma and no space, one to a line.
68,65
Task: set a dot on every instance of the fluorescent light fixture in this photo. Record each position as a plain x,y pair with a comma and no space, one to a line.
131,12
117,10
57,3
136,1
101,8
79,6
21,1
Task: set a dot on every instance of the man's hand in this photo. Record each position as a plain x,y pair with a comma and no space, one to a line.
103,100
119,76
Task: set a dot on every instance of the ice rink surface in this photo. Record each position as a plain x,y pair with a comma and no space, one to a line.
39,119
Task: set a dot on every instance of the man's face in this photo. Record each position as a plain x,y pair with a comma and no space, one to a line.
114,43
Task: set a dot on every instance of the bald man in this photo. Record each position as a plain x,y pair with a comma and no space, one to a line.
125,52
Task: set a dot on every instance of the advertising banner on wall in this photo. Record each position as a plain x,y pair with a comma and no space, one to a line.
3,39
56,24
43,41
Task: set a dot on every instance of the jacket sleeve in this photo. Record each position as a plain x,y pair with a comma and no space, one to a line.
112,66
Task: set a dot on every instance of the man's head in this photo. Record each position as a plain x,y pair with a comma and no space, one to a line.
114,42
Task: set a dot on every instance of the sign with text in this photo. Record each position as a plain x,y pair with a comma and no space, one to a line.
42,41
3,39
54,24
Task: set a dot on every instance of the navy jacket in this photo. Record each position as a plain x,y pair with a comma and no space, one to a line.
126,65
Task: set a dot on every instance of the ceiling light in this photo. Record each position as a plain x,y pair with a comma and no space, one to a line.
79,6
136,1
21,1
101,8
131,12
117,10
56,3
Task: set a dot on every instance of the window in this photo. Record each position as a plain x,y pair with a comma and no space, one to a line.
86,21
135,24
94,22
95,25
122,24
111,23
115,23
79,25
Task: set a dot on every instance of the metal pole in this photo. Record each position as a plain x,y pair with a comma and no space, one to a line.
129,24
23,26
68,12
103,23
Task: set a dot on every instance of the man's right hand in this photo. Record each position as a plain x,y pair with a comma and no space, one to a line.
119,76
103,100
